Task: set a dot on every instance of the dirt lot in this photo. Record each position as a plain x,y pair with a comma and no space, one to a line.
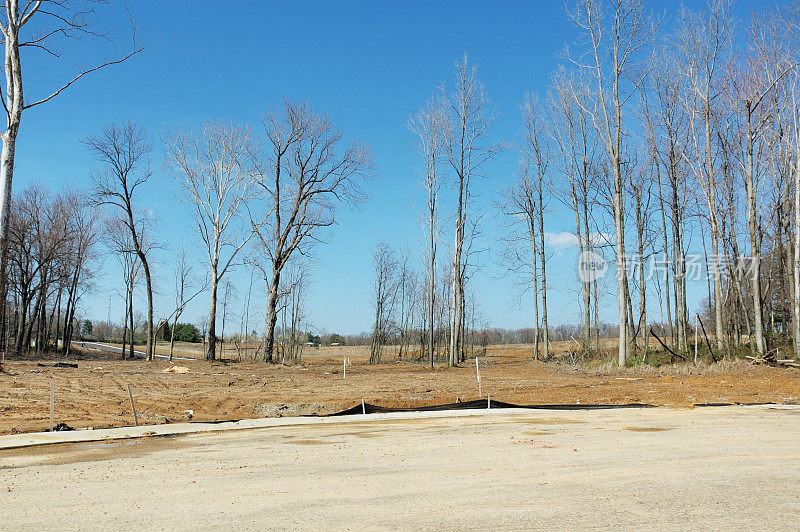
94,394
676,469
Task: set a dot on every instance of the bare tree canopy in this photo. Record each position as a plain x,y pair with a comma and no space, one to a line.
215,169
306,170
468,147
123,150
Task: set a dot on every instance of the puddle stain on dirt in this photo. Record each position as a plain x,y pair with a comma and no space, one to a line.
551,421
71,453
312,442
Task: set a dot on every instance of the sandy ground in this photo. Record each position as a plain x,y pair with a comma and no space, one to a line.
706,468
95,393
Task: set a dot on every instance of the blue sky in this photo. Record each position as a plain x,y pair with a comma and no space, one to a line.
370,65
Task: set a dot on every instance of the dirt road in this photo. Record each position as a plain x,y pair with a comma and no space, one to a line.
731,467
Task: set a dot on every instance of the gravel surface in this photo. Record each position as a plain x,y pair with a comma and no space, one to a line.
729,467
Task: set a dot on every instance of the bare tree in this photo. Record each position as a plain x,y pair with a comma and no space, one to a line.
576,145
308,170
36,24
641,185
292,309
759,77
467,147
614,40
521,204
123,150
407,292
385,286
214,169
80,254
667,129
537,151
38,234
702,44
227,294
185,292
429,125
119,242
796,241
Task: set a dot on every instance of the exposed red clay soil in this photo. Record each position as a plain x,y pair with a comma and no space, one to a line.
94,394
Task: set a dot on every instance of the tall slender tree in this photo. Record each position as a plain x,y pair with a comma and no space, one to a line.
216,171
429,125
468,148
123,151
616,42
36,25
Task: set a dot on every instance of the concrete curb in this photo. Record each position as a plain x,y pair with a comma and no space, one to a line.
15,441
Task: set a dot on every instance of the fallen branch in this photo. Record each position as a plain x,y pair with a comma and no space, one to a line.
702,328
673,353
769,360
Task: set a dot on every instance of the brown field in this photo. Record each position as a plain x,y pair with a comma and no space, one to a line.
94,394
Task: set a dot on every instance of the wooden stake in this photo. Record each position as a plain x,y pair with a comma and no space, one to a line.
52,403
488,401
344,367
135,417
478,377
363,408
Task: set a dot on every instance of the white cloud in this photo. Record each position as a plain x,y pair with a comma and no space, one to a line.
566,240
562,240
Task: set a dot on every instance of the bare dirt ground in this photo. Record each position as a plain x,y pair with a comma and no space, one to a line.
679,469
94,394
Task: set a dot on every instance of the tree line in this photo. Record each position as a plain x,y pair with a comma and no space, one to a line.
667,138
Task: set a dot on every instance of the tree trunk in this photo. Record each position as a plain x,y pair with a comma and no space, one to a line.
640,222
148,282
796,265
536,330
172,337
211,339
542,258
131,329
583,248
14,103
29,327
267,353
431,298
622,277
715,230
22,317
376,347
125,324
755,247
58,319
457,296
